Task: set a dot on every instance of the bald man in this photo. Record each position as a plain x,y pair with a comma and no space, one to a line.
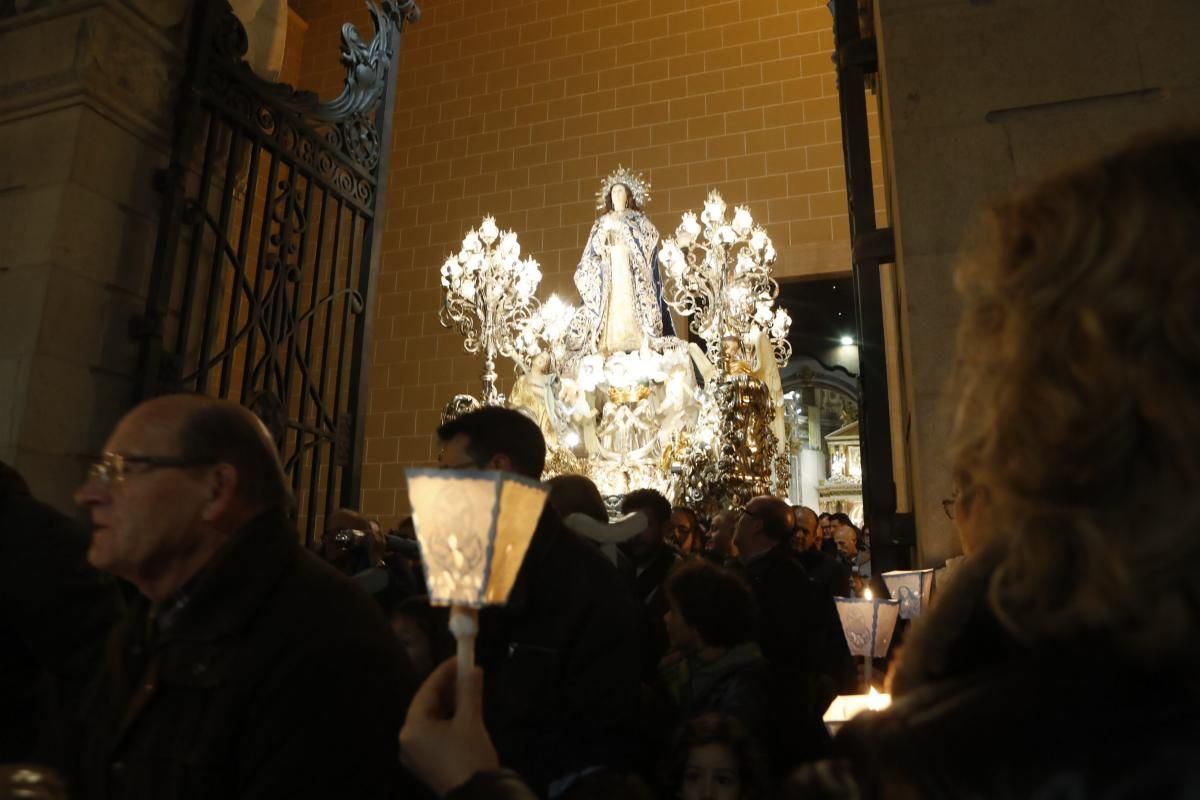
249,668
824,568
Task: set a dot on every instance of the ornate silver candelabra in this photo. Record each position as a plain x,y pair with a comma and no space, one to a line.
488,297
720,276
543,332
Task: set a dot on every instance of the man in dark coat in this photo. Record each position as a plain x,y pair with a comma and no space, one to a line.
824,568
249,668
651,559
799,631
560,663
55,613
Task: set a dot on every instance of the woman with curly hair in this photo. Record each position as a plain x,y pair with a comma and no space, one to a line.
1071,636
1062,660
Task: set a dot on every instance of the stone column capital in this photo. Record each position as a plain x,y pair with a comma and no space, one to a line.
123,58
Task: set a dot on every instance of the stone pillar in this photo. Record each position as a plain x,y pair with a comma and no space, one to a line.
979,99
86,94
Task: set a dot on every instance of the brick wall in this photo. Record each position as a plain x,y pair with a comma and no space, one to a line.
518,109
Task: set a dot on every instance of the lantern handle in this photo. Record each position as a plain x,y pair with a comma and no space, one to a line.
464,624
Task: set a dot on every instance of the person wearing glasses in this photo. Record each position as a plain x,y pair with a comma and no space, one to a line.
958,510
210,687
1068,639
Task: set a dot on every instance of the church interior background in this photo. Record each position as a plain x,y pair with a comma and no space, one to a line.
519,110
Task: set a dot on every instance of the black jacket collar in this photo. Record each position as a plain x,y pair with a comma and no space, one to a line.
232,588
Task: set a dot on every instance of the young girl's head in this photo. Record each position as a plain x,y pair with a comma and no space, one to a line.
712,759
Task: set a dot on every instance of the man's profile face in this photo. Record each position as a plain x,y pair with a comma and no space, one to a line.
815,535
150,516
747,527
453,454
807,534
846,541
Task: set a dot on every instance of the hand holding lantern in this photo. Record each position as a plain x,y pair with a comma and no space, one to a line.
474,528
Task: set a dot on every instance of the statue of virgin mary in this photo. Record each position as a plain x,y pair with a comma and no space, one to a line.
617,277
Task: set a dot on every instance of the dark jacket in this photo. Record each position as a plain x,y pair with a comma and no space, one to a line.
737,685
278,678
827,570
801,637
977,714
798,625
649,590
560,666
56,612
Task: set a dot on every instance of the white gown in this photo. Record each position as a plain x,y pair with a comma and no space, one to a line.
622,331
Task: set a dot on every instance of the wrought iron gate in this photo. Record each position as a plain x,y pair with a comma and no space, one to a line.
263,281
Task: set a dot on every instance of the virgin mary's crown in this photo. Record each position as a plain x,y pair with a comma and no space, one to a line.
639,188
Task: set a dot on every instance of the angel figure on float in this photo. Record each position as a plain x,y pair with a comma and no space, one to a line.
577,412
617,277
628,417
536,393
765,368
678,405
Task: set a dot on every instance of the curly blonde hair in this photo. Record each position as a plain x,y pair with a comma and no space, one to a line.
1079,400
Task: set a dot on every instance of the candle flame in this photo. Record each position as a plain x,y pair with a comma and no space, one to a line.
877,701
867,594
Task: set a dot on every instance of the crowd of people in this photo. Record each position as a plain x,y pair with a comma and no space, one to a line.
695,658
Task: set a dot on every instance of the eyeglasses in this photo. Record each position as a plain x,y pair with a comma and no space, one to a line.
463,465
746,511
948,506
114,467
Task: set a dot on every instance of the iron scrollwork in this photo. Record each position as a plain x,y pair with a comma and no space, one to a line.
346,123
264,264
